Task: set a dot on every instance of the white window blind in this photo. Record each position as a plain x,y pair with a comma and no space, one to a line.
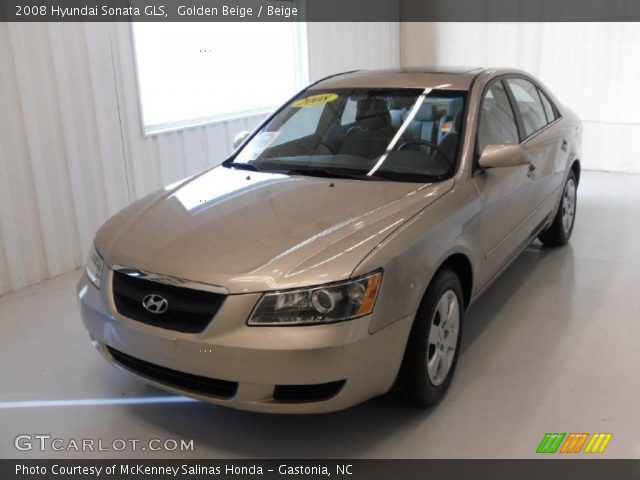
196,73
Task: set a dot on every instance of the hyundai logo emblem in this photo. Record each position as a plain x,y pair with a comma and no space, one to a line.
155,304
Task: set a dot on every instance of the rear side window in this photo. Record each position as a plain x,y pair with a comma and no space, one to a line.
529,105
549,109
497,124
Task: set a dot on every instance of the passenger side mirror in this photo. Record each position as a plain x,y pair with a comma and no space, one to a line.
240,137
497,156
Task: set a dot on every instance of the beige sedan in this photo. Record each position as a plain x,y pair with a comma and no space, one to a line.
332,257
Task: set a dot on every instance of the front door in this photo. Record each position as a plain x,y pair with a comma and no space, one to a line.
507,195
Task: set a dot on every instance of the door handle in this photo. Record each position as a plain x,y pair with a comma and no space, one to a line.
564,145
532,169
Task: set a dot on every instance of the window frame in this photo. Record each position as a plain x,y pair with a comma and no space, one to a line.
302,72
516,113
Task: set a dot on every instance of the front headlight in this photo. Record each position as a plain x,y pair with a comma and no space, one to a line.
325,304
94,267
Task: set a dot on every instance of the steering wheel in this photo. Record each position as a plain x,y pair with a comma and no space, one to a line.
431,145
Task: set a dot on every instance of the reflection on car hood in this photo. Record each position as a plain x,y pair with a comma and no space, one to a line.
251,231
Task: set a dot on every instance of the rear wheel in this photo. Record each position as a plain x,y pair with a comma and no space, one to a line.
559,232
432,350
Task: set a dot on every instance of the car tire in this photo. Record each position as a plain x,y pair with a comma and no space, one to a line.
560,231
419,382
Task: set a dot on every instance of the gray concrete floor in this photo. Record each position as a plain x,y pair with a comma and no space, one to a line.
552,346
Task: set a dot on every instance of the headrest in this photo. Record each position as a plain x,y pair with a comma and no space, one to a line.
454,107
402,102
373,113
457,123
451,127
426,113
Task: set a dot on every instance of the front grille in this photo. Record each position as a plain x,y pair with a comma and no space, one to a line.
189,310
173,378
307,393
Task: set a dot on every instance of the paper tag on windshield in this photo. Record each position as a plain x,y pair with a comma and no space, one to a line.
314,100
256,146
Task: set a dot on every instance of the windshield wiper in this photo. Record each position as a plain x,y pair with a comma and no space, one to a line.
329,173
244,166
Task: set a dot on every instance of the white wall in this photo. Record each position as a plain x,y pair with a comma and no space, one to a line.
594,68
340,46
72,151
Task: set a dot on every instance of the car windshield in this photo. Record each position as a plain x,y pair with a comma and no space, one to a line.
406,135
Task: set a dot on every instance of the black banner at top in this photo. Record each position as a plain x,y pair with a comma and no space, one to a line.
320,10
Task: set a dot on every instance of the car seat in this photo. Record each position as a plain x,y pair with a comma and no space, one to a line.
372,132
424,125
450,141
446,121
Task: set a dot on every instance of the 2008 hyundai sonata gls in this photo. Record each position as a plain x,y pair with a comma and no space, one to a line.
332,257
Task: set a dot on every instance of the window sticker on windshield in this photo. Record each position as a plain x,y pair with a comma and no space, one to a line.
256,146
314,100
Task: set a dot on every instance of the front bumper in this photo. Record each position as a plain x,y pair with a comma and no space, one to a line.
257,359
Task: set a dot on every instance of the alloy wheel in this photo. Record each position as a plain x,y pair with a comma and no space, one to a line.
569,205
443,337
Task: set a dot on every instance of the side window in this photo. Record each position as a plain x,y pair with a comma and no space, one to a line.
497,124
549,109
528,104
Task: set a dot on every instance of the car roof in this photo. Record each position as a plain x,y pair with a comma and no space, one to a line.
442,78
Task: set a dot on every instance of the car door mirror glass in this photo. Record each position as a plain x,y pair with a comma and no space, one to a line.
496,156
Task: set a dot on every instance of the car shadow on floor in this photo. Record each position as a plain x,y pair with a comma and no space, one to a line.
492,300
349,433
555,265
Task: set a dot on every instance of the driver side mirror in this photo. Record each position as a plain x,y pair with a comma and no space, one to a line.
497,156
240,137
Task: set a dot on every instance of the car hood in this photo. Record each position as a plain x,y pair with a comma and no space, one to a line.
256,231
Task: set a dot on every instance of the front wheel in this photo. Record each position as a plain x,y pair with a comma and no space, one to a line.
434,343
559,232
